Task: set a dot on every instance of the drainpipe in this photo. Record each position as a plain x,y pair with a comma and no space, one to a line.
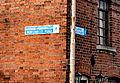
72,42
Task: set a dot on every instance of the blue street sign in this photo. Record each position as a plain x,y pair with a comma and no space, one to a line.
48,29
80,31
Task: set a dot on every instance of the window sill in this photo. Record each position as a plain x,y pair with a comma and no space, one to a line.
106,48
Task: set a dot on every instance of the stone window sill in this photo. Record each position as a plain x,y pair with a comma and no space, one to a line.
106,48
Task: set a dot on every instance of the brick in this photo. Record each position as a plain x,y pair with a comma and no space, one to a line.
26,54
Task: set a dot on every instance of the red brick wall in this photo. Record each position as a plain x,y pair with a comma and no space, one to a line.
86,46
32,58
106,62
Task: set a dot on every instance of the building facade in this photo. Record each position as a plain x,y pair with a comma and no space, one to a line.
44,58
36,58
97,53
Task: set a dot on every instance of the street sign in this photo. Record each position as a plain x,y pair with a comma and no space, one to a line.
80,31
48,29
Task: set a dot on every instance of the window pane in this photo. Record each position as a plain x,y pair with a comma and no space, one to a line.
100,14
76,80
101,5
101,40
104,15
105,5
102,23
101,32
83,81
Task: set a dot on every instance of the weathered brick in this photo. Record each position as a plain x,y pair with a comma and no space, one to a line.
32,58
106,62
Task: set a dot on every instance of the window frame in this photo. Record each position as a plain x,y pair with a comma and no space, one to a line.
103,33
83,78
108,45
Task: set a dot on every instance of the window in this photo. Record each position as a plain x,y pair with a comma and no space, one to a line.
103,26
112,81
83,79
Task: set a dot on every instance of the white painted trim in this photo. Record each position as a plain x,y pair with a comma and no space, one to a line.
84,78
107,48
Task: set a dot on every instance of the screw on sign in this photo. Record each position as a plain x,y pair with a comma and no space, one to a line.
80,31
48,29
